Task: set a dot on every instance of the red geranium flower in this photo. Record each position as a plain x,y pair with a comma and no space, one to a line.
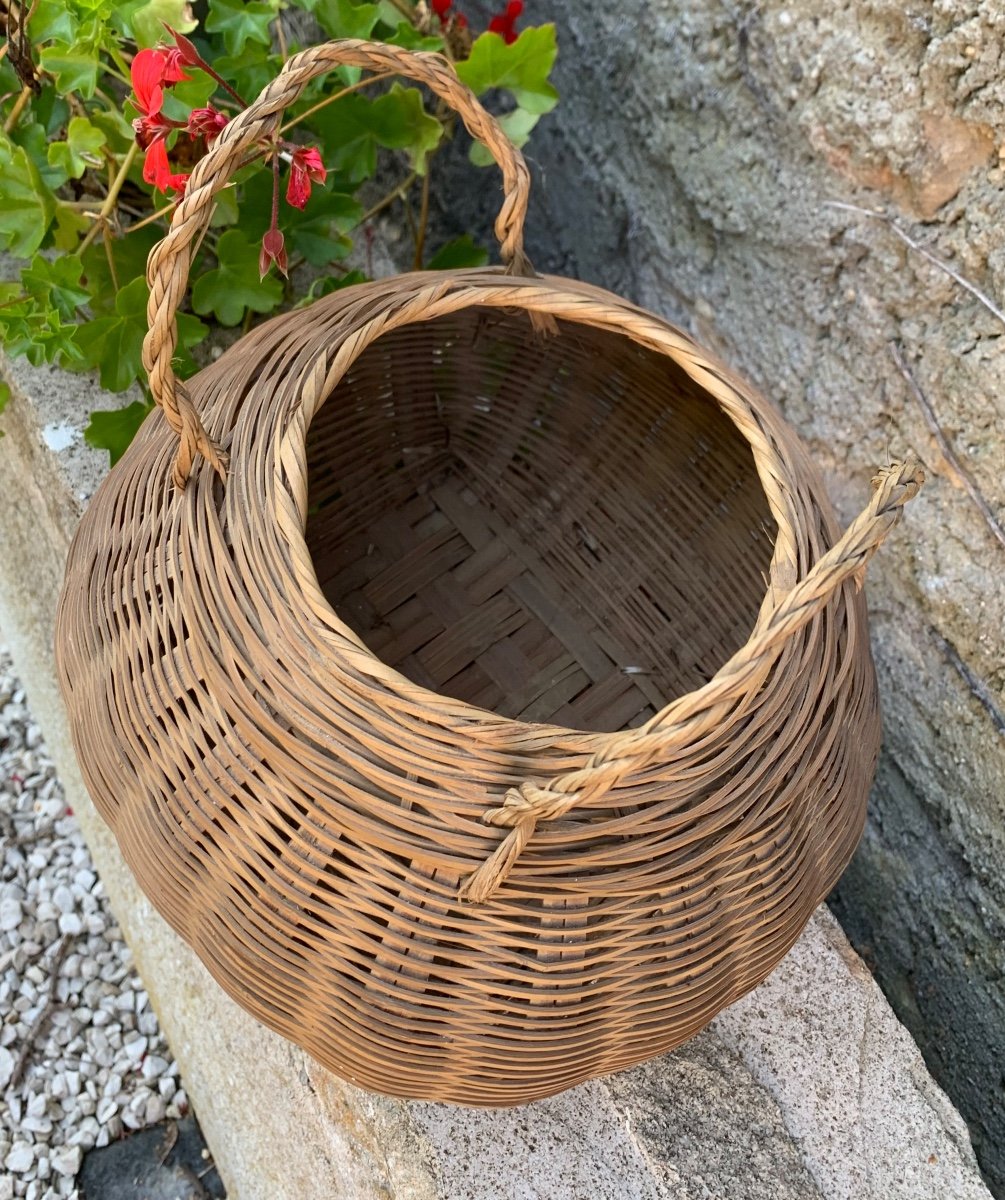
151,72
305,168
208,121
505,23
157,170
273,251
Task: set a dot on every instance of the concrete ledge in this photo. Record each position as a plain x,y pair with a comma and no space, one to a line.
807,1088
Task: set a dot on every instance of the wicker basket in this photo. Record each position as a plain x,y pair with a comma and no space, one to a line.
506,707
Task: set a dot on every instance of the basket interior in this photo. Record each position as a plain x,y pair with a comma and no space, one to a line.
562,529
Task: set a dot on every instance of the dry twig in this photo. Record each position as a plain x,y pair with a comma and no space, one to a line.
44,1014
878,215
959,472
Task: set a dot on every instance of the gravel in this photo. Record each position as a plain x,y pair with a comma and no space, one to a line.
82,1059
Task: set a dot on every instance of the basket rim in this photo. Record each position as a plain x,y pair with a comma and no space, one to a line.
446,292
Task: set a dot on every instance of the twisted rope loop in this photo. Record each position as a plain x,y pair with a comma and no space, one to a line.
170,260
524,806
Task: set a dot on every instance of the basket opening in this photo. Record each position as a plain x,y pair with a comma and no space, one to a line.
562,529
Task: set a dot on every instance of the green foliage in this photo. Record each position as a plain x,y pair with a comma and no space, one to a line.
240,22
77,213
234,287
114,429
114,343
461,252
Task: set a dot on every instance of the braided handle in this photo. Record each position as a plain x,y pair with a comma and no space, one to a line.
690,717
170,260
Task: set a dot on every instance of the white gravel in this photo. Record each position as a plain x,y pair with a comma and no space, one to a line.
97,1065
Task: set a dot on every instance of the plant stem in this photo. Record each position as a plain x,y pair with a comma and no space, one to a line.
149,220
17,110
406,10
397,193
420,235
355,87
106,236
281,39
109,205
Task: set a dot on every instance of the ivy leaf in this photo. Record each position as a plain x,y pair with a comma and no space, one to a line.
68,226
249,71
355,127
57,281
31,136
147,20
79,151
4,397
409,38
234,286
347,19
240,23
114,343
52,20
73,65
517,126
30,327
522,67
26,203
113,430
461,252
118,132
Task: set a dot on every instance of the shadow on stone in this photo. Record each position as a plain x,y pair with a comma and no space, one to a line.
165,1162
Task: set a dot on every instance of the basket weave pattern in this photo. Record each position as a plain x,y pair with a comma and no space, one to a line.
504,707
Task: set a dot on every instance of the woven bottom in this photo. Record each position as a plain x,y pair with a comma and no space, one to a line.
563,530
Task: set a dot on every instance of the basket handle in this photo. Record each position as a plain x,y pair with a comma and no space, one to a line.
692,715
170,260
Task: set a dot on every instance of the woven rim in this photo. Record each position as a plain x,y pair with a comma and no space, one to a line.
445,294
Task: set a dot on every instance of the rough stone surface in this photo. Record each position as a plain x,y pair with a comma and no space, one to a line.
690,165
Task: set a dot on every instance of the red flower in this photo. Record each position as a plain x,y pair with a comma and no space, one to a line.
150,71
157,170
208,121
441,8
273,251
186,50
505,24
305,168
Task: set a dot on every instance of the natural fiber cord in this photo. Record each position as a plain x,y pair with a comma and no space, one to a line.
500,706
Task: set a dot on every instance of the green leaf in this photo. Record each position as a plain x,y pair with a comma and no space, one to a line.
68,226
118,132
461,252
249,71
147,20
346,19
113,430
354,127
4,396
114,343
410,38
234,286
57,281
31,136
74,66
130,253
522,67
517,126
181,98
52,20
240,22
29,327
331,283
79,151
26,203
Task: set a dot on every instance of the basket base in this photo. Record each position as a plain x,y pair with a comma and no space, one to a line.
442,590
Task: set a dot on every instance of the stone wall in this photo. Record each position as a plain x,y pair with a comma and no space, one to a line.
692,164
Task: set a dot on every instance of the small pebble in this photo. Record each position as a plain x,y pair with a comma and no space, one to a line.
101,1066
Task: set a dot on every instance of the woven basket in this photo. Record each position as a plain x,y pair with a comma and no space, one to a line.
504,708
